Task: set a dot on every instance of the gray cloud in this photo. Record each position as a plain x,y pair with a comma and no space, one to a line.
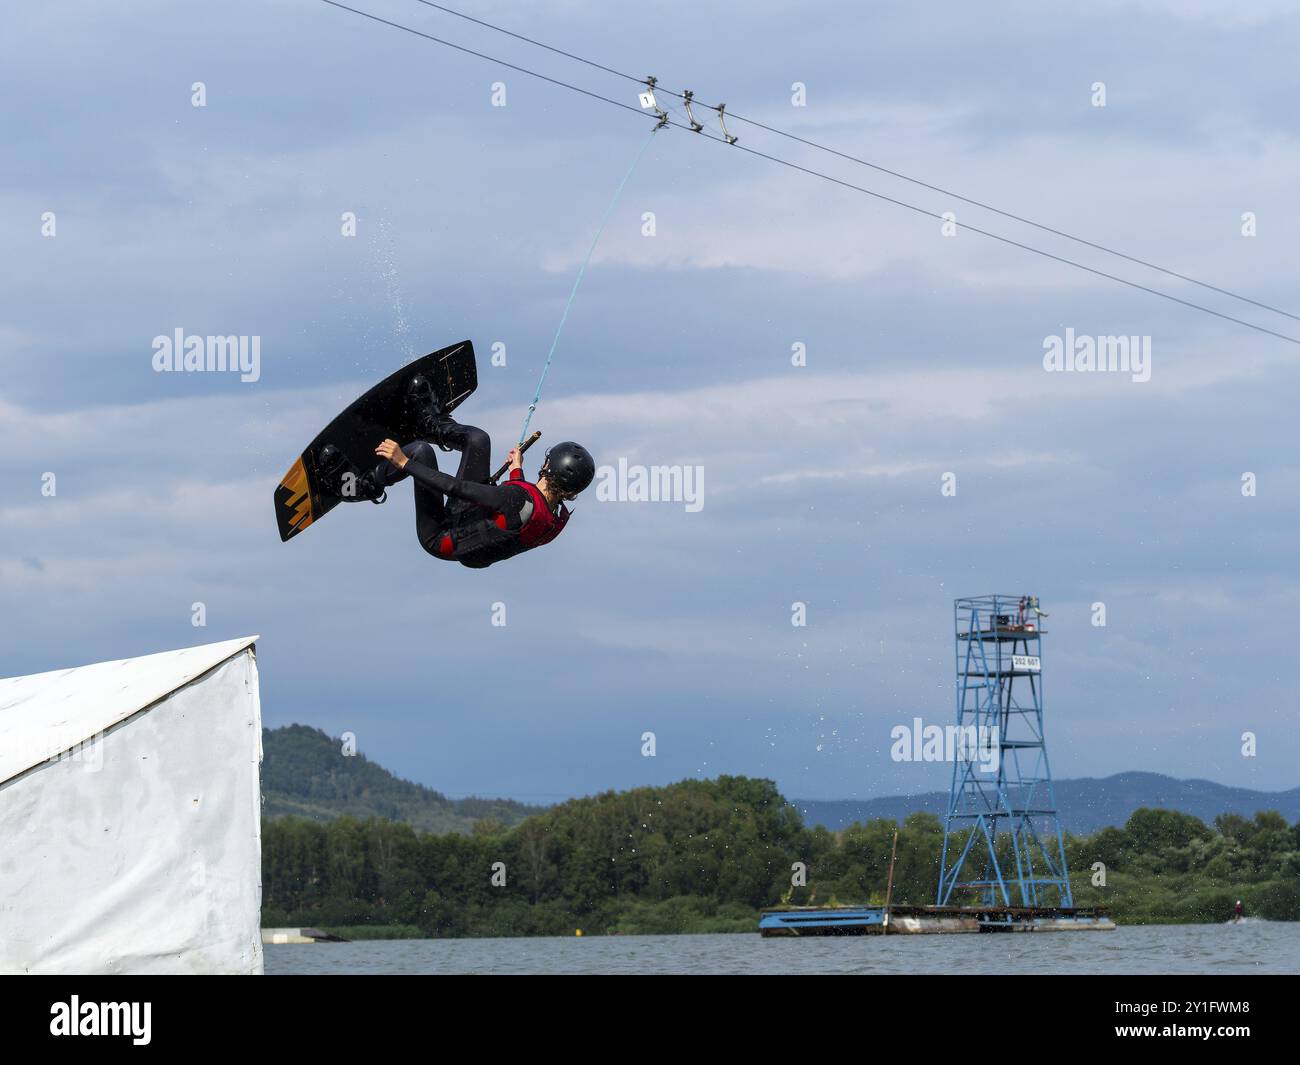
924,357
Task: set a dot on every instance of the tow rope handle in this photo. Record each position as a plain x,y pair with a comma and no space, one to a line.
522,448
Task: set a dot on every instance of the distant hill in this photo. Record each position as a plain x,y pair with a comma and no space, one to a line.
305,775
1086,805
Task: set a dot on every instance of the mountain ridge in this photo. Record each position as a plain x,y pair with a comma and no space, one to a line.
305,774
1085,804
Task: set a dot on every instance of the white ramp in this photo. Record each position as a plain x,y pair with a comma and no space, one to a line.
130,815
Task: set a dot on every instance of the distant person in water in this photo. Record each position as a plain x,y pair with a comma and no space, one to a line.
464,518
1240,913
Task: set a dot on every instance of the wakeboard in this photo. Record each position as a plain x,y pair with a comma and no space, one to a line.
300,498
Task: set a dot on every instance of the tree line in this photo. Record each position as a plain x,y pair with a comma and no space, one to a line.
706,855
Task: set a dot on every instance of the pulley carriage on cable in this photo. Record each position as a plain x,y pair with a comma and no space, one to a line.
649,102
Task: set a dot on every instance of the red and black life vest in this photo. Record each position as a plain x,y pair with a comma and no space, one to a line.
484,538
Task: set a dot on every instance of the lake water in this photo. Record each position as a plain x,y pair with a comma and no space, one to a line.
1250,947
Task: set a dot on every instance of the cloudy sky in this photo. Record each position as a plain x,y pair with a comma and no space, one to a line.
822,482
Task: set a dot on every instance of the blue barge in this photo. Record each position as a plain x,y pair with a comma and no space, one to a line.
928,920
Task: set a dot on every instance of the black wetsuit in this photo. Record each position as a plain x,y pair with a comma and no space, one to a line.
464,518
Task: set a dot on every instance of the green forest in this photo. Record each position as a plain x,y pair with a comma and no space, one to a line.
706,855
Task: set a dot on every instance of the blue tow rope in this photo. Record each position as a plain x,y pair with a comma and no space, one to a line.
537,397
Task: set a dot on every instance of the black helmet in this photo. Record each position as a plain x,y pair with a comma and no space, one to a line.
568,466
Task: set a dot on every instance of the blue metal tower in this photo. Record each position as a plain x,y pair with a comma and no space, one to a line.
1002,836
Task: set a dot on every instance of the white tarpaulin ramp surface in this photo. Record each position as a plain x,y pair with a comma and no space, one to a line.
130,815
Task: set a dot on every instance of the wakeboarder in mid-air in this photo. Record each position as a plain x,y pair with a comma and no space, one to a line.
466,518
